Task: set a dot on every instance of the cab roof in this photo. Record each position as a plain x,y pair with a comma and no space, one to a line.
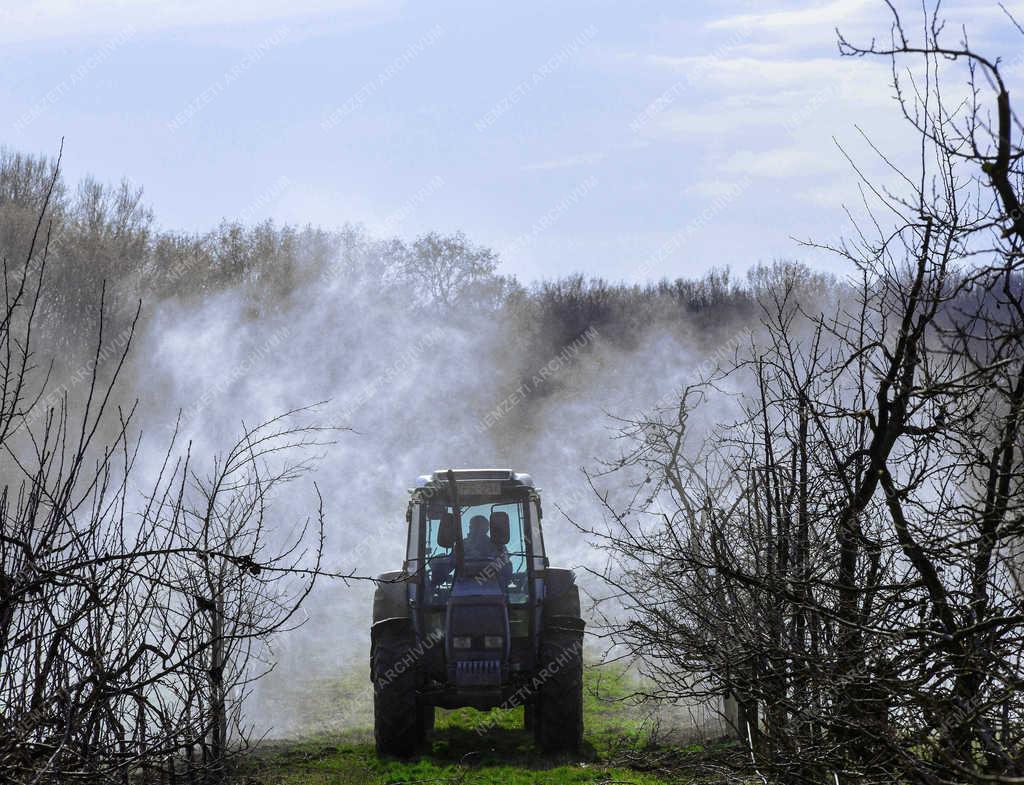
440,477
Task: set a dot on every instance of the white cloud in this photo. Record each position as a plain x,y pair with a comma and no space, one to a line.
782,162
740,95
825,14
38,20
710,189
746,71
834,194
582,159
774,113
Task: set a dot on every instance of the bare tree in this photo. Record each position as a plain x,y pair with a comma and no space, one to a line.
838,556
128,640
447,270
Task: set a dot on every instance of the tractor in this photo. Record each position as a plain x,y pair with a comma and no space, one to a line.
476,617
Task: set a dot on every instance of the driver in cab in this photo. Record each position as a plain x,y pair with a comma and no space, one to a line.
490,561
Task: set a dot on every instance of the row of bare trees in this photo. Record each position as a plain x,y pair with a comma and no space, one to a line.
105,236
132,623
843,556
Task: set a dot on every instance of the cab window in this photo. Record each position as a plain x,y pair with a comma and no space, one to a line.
440,561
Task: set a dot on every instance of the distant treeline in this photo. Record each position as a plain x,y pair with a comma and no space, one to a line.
105,235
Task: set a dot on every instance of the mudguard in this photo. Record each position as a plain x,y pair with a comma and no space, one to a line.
389,598
395,627
391,613
561,595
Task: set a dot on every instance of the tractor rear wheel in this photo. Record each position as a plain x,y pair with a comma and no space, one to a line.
558,712
397,720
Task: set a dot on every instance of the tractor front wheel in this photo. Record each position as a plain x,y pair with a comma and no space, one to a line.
558,711
398,721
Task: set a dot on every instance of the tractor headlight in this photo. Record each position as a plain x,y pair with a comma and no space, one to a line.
462,642
494,642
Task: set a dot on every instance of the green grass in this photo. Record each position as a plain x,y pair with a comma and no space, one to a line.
468,747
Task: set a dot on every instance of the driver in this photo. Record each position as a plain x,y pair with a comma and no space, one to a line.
478,544
479,547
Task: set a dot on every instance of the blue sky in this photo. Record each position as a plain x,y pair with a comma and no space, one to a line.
628,140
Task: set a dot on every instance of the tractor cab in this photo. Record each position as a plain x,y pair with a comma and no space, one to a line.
475,550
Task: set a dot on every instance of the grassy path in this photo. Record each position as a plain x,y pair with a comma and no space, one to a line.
473,748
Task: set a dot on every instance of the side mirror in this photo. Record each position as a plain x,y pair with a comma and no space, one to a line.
499,528
436,508
446,530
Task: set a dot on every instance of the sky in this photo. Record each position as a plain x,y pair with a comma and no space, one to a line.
632,141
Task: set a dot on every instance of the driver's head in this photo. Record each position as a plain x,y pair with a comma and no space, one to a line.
478,526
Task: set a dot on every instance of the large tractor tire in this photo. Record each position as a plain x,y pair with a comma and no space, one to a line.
558,711
398,719
425,715
529,715
558,706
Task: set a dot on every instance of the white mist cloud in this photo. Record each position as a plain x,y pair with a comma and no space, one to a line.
417,388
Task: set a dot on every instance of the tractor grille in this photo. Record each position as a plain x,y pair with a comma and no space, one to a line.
478,673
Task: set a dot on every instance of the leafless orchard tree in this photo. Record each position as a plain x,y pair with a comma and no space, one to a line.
448,270
130,625
842,557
